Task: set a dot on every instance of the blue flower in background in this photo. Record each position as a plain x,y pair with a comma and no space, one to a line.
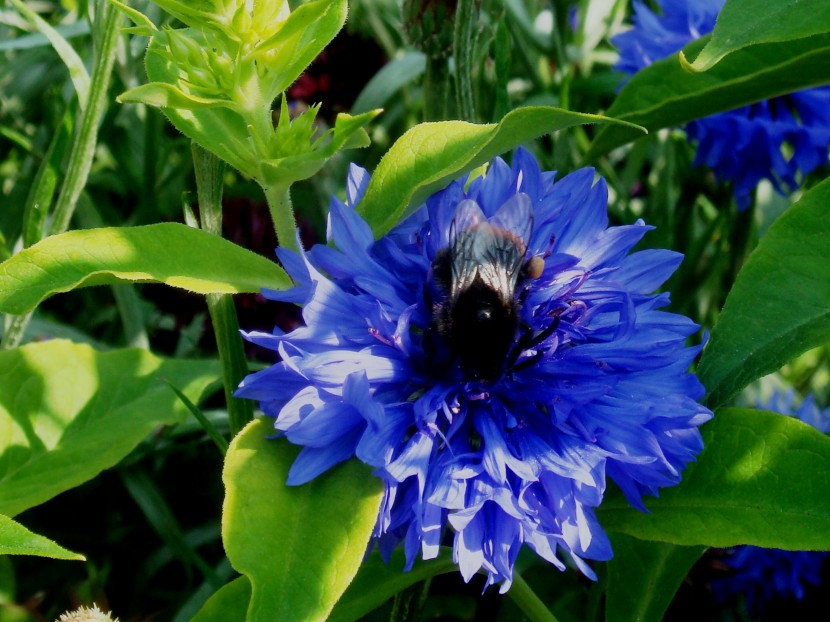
747,144
500,419
761,574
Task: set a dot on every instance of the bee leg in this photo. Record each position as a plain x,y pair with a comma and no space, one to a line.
528,340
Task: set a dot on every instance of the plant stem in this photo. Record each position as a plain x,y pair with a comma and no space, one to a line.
436,88
282,213
82,149
409,602
463,40
209,174
232,358
527,600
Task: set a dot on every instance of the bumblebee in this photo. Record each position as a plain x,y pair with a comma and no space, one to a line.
480,275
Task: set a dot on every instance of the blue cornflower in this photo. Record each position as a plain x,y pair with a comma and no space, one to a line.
759,573
747,144
513,447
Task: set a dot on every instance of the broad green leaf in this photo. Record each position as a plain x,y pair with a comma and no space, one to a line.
168,253
301,37
228,604
70,58
643,577
742,23
15,539
664,94
779,306
762,478
67,412
300,546
376,582
430,155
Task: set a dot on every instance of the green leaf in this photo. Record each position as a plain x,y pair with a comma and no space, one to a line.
643,577
228,604
168,253
742,23
762,478
164,95
392,77
70,58
68,412
15,539
430,155
142,22
301,37
348,133
300,546
376,582
664,95
779,306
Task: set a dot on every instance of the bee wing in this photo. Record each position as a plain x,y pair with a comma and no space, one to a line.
493,250
516,216
467,215
502,257
499,255
467,220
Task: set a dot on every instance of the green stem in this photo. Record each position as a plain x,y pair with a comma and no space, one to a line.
232,358
209,175
45,182
409,602
527,600
82,149
462,46
282,213
436,89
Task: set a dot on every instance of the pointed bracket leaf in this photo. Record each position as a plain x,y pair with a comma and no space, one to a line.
665,95
430,155
15,539
743,23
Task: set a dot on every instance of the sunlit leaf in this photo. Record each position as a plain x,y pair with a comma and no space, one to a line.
299,546
169,253
762,479
67,412
742,23
15,539
168,96
430,155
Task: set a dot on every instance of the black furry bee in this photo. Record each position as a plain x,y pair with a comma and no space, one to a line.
478,275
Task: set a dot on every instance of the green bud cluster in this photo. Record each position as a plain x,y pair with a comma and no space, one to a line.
217,78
